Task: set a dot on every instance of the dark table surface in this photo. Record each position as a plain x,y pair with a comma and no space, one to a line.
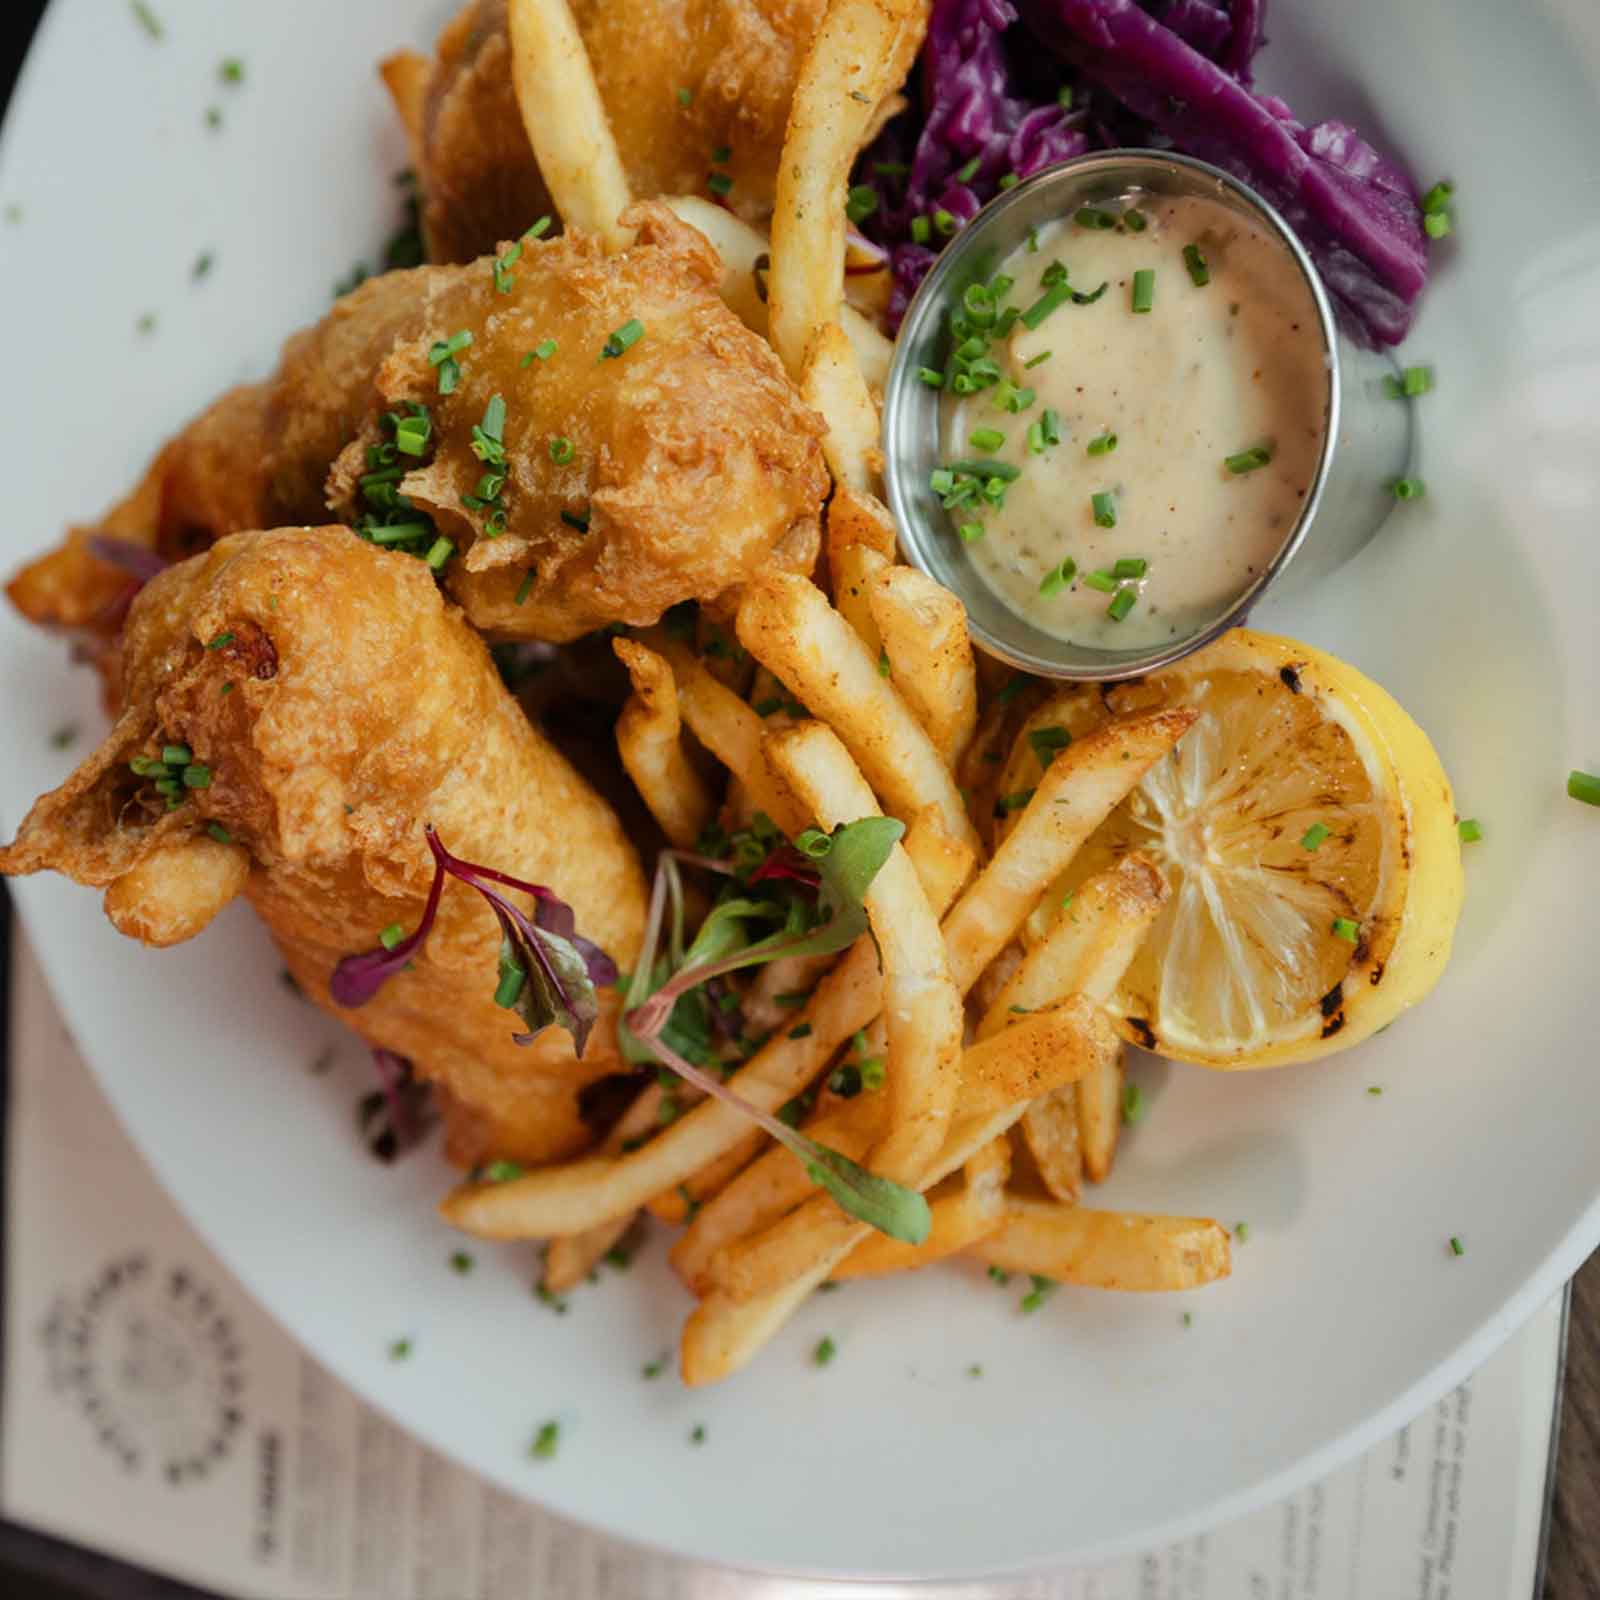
35,1568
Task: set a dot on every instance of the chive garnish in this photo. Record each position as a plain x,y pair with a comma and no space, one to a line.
860,202
1408,488
1007,803
1050,425
986,439
1094,217
1247,460
1456,1246
1129,567
219,833
561,450
920,230
1122,602
1058,577
220,640
825,1351
970,532
1104,506
1584,786
1037,361
1199,272
1470,830
686,97
623,338
966,173
1047,743
1347,929
1103,581
546,1441
577,519
721,185
1144,289
931,376
1102,444
1312,838
147,19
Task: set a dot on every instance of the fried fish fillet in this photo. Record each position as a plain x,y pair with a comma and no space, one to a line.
693,462
691,88
335,703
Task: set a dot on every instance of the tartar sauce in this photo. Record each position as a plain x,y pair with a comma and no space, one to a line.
1122,463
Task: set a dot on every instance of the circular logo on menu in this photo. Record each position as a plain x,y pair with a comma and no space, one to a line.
152,1359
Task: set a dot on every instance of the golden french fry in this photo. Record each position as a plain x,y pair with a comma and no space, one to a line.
731,731
999,1077
1100,1116
1050,1127
1108,1249
406,75
855,518
852,567
571,1257
922,1010
786,623
960,1219
679,1203
851,65
1074,796
649,740
943,864
832,384
579,1194
1090,943
771,1186
566,119
924,632
746,259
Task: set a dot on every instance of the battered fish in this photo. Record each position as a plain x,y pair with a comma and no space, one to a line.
672,470
324,702
692,88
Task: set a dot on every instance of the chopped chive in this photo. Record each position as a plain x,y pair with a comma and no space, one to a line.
1132,1104
825,1351
1058,577
176,755
1144,289
800,1031
1050,425
931,376
1009,181
561,450
1064,97
1312,838
220,640
147,19
501,1172
1048,743
411,435
1037,361
941,480
538,229
883,663
546,1441
439,552
1584,786
1103,581
988,468
986,439
202,265
1007,803
1134,221
1055,296
1199,272
391,936
1470,830
1037,1295
1008,397
461,1263
686,97
196,776
1438,197
231,70
1033,241
146,323
975,1370
1416,380
891,169
1012,688
1436,224
873,1072
1102,444
697,1434
64,736
1129,567
921,230
944,223
1241,1231
214,119
623,338
1408,488
1346,929
1035,439
970,532
860,202
1247,460
721,185
400,1349
1456,1246
1094,217
219,833
577,519
1374,1089
1104,506
545,349
653,1369
1122,602
501,267
967,172
722,155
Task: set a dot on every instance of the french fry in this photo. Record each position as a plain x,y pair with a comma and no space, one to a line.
731,731
786,623
576,1195
649,740
960,1219
566,119
832,384
999,1077
849,68
770,1187
746,258
680,1202
1074,795
943,864
1055,1141
1108,1249
923,628
852,567
1088,948
571,1257
922,1010
855,518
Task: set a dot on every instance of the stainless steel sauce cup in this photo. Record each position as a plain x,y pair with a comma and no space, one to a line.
1366,437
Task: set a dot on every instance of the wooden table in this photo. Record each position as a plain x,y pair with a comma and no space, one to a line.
1573,1572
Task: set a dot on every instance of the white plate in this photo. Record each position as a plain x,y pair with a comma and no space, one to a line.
1100,1423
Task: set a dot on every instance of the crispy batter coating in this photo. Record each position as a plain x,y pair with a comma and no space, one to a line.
361,706
693,458
693,465
735,60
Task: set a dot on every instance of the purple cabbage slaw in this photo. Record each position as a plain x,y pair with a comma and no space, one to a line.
1003,94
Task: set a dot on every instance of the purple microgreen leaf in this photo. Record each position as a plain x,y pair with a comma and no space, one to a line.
137,560
397,1115
358,978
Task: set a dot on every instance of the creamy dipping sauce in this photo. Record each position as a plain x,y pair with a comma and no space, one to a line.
1133,470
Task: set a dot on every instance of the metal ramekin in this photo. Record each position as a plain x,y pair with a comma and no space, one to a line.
911,412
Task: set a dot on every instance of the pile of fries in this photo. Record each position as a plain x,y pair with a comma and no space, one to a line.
986,1004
